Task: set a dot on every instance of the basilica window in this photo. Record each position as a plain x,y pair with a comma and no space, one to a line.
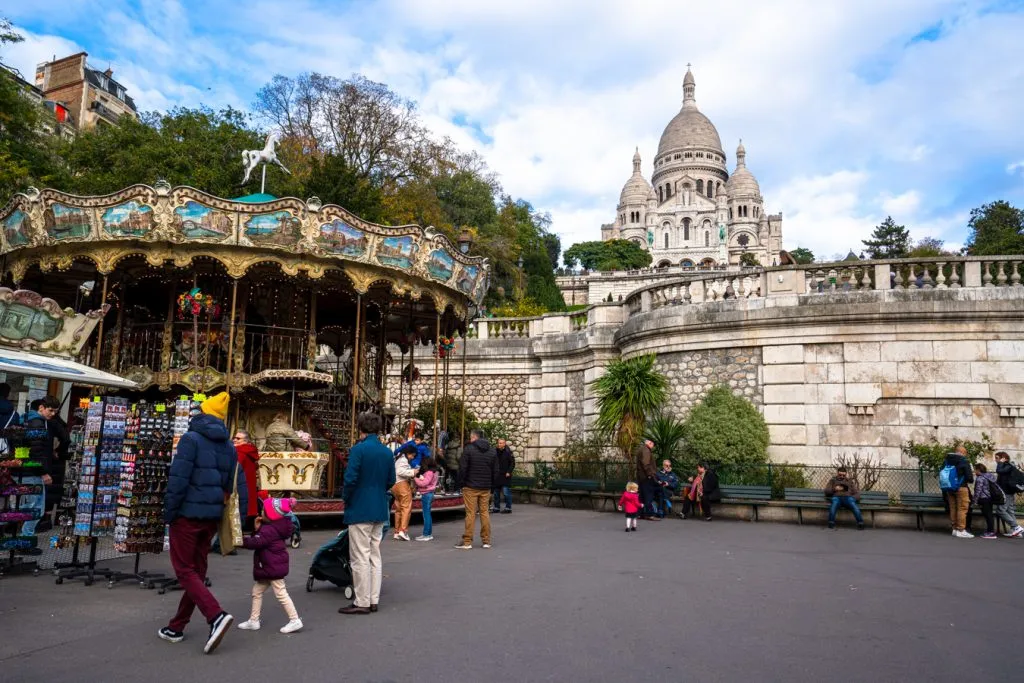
743,240
700,187
709,189
666,238
686,229
668,190
730,213
677,156
718,188
661,196
707,238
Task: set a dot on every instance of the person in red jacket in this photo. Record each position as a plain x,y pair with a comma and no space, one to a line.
629,502
248,459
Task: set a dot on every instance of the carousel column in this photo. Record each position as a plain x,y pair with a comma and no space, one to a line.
465,349
168,345
231,337
437,361
119,337
312,348
382,353
99,336
354,379
412,371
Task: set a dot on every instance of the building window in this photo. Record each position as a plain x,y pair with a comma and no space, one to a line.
668,190
718,188
707,238
709,189
666,238
743,240
686,229
678,156
730,213
700,187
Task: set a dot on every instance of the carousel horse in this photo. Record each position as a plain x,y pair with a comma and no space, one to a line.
251,158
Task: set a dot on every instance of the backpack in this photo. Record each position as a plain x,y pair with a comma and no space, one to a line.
996,494
1016,480
949,478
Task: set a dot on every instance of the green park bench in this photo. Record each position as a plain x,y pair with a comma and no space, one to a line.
522,482
921,503
754,496
870,501
581,487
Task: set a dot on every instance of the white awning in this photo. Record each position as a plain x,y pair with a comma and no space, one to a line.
34,365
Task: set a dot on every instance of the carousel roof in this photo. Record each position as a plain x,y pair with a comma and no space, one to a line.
178,224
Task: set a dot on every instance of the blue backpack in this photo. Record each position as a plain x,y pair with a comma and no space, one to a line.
949,478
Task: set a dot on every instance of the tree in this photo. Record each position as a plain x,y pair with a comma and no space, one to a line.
553,245
928,247
667,433
748,259
888,241
628,391
724,429
996,229
424,412
607,255
802,255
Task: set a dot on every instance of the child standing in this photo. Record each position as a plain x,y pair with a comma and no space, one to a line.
270,562
426,484
629,503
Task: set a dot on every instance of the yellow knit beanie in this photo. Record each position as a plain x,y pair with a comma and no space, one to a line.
216,405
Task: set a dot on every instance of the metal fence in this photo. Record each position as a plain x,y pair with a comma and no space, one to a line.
612,475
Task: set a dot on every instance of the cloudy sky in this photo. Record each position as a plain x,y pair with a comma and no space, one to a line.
849,111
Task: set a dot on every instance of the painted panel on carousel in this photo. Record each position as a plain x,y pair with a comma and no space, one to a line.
198,222
19,321
441,265
397,252
67,223
279,228
16,228
338,237
468,279
130,219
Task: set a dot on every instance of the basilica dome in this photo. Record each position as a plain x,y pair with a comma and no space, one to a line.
636,189
742,182
689,128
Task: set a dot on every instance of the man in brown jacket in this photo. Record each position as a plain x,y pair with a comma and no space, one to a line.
842,491
646,477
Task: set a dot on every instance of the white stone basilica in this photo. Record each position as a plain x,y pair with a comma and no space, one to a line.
695,213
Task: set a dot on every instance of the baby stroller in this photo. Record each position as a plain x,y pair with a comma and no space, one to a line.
296,538
330,563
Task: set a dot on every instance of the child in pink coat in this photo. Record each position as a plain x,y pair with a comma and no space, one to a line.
630,503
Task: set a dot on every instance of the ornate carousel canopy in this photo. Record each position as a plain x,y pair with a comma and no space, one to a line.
176,225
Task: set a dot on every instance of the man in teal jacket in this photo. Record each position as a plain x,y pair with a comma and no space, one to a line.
369,476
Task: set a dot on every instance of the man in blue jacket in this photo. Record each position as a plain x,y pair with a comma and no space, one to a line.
422,449
369,476
202,476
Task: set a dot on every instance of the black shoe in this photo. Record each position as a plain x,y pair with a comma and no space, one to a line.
373,608
831,525
507,511
707,519
627,529
171,636
218,627
860,526
495,511
352,609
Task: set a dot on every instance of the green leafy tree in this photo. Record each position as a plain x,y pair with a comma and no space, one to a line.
802,255
888,241
997,229
424,412
334,182
931,455
724,429
607,255
667,433
628,391
553,245
748,259
929,247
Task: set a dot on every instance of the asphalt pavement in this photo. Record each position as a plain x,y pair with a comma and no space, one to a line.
567,595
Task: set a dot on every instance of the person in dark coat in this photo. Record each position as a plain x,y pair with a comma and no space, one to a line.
248,459
270,562
478,475
8,415
506,465
369,476
646,477
40,442
703,491
201,478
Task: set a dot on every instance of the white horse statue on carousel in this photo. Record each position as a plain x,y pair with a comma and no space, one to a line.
251,158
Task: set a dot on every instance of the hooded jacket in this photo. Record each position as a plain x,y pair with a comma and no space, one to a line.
852,489
963,467
7,413
202,472
369,475
478,466
280,437
506,464
40,441
248,459
983,486
270,561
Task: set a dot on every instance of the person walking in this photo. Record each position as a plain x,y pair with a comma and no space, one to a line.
987,494
368,477
506,465
954,477
478,474
248,460
646,477
842,491
402,490
629,503
426,484
1011,482
201,478
270,562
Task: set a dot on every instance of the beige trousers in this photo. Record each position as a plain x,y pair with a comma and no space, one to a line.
280,592
364,555
477,501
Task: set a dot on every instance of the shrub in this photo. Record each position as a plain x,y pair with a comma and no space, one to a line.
866,470
499,429
788,477
931,456
583,458
666,431
627,392
726,430
425,413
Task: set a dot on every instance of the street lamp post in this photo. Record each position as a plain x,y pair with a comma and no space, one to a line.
521,290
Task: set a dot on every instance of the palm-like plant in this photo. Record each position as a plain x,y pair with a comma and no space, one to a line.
667,432
627,392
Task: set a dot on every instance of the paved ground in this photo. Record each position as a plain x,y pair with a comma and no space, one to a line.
568,596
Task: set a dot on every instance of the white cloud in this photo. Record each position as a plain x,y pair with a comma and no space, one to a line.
34,50
903,205
1015,167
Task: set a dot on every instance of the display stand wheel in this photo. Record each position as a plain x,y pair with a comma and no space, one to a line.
309,584
161,591
60,580
349,593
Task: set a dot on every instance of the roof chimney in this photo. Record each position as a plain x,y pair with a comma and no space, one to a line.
109,72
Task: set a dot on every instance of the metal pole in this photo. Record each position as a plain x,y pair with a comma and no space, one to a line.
465,346
99,338
231,334
355,368
437,361
412,368
401,394
263,182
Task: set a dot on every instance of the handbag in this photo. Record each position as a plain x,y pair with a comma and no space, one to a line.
230,529
4,445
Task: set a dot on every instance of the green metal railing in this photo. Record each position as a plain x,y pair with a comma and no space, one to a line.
612,476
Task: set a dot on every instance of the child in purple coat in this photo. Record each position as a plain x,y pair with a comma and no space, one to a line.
270,562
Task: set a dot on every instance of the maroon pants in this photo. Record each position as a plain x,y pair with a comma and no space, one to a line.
190,544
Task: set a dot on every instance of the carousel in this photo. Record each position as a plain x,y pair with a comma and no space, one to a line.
294,307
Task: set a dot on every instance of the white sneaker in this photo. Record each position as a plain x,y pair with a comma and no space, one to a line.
965,534
292,626
463,546
1016,533
249,625
486,546
403,536
424,538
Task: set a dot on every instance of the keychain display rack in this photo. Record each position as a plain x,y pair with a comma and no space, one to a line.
15,466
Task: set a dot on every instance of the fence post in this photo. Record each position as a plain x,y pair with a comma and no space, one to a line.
769,475
920,480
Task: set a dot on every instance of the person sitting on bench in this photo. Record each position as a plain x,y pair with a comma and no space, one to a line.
842,491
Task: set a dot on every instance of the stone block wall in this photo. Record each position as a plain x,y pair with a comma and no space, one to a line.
692,373
490,397
574,406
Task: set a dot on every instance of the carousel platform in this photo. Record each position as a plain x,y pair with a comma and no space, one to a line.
323,507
